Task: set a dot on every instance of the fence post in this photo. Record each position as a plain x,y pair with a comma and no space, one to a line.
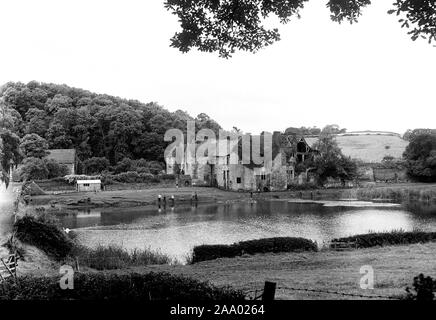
269,291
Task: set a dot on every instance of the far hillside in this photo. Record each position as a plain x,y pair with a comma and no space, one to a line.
372,147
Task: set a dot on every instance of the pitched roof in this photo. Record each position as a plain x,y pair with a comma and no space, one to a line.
64,156
88,181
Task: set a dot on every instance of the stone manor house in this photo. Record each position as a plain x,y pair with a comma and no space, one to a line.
287,152
369,148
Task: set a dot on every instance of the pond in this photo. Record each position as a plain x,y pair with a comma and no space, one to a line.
175,231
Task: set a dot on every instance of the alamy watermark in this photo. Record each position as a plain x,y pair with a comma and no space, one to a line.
367,280
204,147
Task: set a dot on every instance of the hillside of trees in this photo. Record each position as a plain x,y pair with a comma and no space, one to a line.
105,130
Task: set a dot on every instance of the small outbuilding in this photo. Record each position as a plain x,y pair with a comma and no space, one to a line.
88,185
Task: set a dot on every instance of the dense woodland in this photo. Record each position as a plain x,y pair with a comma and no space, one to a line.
105,130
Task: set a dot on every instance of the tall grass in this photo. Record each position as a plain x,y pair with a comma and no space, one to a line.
399,194
116,257
394,237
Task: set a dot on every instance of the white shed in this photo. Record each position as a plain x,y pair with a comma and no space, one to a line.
88,185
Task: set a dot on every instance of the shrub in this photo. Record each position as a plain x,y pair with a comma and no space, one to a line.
211,252
281,244
44,234
125,165
95,165
389,238
423,288
143,170
33,169
132,286
127,177
55,170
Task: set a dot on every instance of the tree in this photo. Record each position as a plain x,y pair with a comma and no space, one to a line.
331,163
409,135
227,26
125,165
32,145
203,121
9,153
420,157
33,169
55,169
95,165
36,121
93,124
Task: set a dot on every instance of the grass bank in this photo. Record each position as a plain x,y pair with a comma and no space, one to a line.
394,269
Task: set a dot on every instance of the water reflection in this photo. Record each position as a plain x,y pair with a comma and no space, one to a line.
176,231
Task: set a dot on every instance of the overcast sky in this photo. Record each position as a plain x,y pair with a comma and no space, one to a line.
368,75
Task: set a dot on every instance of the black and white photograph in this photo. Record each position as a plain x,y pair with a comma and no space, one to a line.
217,158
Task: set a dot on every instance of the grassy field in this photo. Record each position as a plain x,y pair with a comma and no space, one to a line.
394,268
371,148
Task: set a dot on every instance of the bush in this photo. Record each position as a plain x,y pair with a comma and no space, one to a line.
132,286
389,238
55,170
33,169
95,165
423,288
114,257
43,234
125,165
282,244
211,252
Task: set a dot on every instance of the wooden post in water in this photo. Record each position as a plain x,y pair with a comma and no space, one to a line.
269,291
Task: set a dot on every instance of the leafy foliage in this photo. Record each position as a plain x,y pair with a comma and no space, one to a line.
225,26
331,163
421,157
97,126
423,288
39,169
419,16
44,234
32,145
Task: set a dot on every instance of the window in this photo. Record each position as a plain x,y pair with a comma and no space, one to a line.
263,177
86,184
238,180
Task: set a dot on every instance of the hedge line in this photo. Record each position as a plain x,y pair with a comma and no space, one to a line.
100,286
389,238
281,244
135,177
